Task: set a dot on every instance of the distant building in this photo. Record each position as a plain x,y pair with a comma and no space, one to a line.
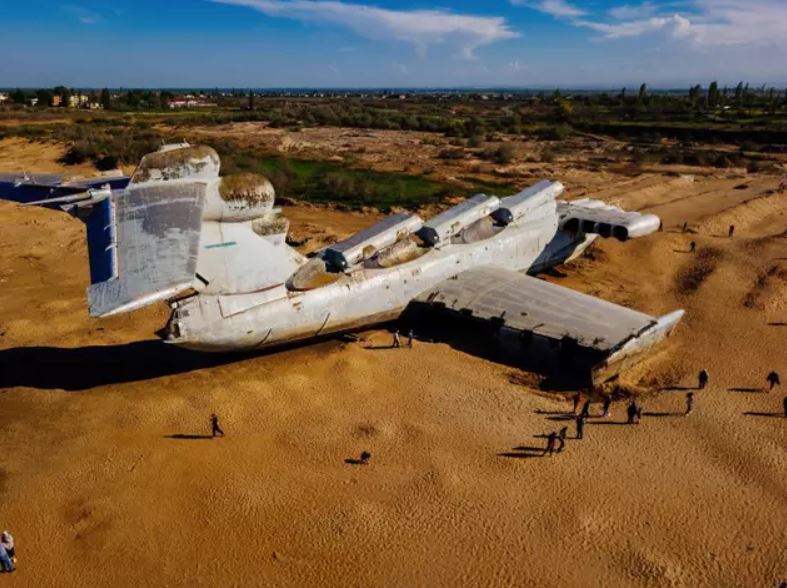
3,97
32,101
77,100
56,100
190,101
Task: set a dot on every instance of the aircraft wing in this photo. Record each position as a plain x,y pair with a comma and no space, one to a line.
527,309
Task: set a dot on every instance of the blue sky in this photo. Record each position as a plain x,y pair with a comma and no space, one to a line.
379,43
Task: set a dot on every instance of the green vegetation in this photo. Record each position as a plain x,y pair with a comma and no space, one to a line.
326,182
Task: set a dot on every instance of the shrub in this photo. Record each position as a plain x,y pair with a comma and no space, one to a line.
502,154
556,132
547,155
451,154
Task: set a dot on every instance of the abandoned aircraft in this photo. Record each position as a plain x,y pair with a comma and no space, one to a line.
215,249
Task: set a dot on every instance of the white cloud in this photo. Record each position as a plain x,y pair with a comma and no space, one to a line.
516,65
421,28
706,22
632,11
557,8
82,14
401,68
740,22
675,24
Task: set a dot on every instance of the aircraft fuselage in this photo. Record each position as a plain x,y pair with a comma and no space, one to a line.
362,296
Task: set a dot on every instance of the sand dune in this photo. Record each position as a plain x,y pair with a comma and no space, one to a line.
106,479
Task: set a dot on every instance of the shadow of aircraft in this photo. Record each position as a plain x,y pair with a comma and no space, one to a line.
480,339
76,369
81,368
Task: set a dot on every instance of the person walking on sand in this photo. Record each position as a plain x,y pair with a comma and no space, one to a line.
215,429
581,427
631,412
586,409
397,343
365,456
773,380
410,338
577,397
685,226
689,403
561,437
731,232
6,565
7,540
785,406
550,448
692,247
702,379
607,404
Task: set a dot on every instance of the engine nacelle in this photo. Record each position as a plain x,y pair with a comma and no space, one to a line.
597,217
445,225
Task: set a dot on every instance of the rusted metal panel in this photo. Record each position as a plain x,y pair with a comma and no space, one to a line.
528,304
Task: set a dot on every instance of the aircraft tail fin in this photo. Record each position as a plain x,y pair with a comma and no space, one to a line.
179,228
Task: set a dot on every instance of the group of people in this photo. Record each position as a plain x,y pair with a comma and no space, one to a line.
773,379
556,441
693,244
7,553
397,340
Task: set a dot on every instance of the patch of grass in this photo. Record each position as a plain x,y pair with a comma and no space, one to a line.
328,182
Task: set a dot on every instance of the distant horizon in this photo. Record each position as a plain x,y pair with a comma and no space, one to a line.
418,89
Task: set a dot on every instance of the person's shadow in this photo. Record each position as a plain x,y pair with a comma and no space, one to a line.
765,414
518,455
187,436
